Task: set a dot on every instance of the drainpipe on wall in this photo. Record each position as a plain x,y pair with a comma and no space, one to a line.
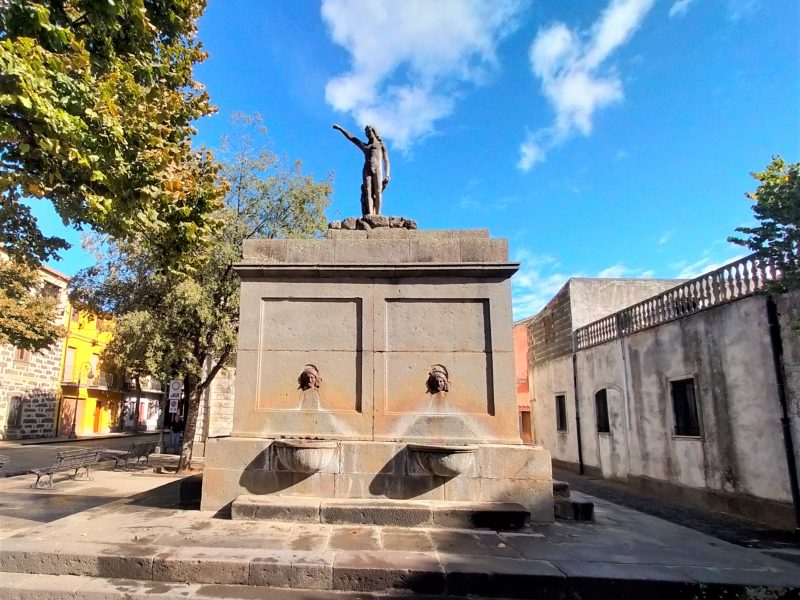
577,411
780,376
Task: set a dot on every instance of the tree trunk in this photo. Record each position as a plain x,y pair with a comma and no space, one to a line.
138,403
192,393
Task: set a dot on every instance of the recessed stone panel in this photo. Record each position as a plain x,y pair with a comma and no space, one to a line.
279,388
437,325
404,388
310,324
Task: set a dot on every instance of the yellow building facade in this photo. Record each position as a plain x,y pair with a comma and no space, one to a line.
91,397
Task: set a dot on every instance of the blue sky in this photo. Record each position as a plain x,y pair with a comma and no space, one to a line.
602,138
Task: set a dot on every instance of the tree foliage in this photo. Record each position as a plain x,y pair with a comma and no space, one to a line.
193,317
97,100
777,209
28,316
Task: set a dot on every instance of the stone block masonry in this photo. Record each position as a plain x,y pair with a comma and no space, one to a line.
28,392
389,349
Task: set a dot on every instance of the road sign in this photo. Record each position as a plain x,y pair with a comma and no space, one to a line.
175,390
173,406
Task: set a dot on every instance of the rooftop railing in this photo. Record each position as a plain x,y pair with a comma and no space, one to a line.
738,279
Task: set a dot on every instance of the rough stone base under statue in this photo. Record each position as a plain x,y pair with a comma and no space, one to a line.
367,469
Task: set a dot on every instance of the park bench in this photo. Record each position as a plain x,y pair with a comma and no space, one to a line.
80,460
138,450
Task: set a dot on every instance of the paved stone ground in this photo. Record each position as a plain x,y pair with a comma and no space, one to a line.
148,537
723,526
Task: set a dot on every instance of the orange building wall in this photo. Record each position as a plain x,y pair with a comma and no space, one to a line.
520,337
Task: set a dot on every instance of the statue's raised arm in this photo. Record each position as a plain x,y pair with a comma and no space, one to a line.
349,136
376,163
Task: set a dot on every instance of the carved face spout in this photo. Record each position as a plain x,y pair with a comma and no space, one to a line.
309,378
437,380
438,383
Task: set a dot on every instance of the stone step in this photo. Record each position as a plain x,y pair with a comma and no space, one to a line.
560,489
569,508
394,513
456,578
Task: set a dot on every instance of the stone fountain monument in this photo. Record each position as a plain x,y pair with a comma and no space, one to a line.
375,369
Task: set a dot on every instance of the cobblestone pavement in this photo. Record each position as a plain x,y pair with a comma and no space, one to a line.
719,525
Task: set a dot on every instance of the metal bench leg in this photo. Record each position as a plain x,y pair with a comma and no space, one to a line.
83,476
44,486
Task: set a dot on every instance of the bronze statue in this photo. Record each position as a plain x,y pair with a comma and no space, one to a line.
374,180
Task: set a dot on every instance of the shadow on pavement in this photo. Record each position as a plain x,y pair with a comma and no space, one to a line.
178,494
44,507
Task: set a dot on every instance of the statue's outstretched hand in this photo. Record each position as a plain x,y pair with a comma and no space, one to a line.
385,183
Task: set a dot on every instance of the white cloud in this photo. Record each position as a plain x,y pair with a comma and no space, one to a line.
535,284
740,9
619,271
665,237
686,270
409,60
679,8
539,278
574,76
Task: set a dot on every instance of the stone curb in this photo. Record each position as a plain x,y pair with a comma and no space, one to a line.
25,566
19,586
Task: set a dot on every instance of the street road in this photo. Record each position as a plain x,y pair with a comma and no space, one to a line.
25,457
724,526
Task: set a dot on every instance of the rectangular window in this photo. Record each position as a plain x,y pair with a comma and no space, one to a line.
561,413
75,316
684,405
525,428
22,355
601,411
50,290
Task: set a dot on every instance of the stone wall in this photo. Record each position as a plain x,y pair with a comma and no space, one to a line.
738,462
28,392
550,331
215,417
594,298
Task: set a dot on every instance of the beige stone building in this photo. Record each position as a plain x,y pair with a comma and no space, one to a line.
215,417
29,381
683,392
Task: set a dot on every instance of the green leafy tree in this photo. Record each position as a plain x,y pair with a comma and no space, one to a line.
27,316
197,312
777,209
97,100
135,351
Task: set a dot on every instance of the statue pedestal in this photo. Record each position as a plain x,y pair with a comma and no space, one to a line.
409,332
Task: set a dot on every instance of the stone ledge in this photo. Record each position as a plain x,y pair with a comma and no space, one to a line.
397,513
284,508
500,271
411,248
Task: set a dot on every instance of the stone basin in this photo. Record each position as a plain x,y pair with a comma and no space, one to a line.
305,456
443,460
